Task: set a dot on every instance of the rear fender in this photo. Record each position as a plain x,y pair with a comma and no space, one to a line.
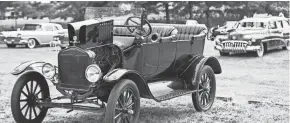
193,70
118,74
28,66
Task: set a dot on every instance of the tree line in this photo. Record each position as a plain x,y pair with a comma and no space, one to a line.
181,10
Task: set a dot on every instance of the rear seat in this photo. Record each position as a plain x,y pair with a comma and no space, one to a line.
185,32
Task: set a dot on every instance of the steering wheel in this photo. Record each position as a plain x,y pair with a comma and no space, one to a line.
145,30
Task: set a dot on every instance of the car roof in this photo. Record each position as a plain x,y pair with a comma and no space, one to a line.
263,19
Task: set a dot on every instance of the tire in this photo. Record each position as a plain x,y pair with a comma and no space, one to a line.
287,47
29,112
128,89
11,45
261,51
31,43
224,53
203,100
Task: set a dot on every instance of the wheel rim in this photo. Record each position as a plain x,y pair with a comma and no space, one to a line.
31,43
260,52
205,97
30,93
125,107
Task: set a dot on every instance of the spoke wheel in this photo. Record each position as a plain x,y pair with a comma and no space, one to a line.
31,43
204,98
261,51
124,103
26,92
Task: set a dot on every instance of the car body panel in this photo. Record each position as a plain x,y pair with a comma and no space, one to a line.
42,36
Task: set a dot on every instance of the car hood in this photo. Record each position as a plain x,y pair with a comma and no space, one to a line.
248,33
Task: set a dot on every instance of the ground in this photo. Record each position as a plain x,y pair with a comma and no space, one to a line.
244,78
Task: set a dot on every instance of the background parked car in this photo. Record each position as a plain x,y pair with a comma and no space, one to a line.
223,30
257,34
35,34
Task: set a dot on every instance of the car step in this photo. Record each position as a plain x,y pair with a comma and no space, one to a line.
164,90
173,94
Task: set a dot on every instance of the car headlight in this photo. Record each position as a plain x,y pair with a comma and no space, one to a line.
48,70
93,73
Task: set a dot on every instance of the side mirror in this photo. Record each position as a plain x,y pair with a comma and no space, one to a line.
18,29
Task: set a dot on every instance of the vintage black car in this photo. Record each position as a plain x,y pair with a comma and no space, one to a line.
256,35
113,66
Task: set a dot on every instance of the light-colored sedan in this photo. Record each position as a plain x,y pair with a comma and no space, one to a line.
35,34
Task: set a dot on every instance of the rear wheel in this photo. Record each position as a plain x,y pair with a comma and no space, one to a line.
26,92
11,45
204,98
224,53
124,103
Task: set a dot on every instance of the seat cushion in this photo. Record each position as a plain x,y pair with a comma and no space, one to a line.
185,32
163,31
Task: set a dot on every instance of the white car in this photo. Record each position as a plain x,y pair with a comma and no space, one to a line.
35,34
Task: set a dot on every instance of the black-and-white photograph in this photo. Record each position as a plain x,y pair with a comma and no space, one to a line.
144,61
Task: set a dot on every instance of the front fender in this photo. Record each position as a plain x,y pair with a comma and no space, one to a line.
28,66
117,74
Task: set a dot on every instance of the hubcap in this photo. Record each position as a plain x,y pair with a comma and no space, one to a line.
125,106
260,52
204,94
31,43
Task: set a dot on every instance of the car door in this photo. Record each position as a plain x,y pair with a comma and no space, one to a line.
149,59
167,54
275,35
46,34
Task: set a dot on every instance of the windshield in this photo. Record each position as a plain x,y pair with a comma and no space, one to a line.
31,27
118,14
251,25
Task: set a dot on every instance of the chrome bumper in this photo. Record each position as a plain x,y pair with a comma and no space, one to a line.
16,42
236,46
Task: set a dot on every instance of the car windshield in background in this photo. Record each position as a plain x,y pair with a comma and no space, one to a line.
118,14
251,25
31,27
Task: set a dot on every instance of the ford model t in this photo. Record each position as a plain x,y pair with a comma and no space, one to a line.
113,66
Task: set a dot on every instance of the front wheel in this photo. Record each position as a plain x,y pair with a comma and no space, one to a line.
124,103
204,98
31,43
261,51
26,92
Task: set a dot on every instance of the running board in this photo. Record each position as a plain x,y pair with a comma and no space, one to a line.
165,90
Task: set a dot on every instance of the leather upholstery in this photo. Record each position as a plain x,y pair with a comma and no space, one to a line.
185,32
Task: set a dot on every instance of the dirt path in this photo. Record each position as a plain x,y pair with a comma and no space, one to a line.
244,78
